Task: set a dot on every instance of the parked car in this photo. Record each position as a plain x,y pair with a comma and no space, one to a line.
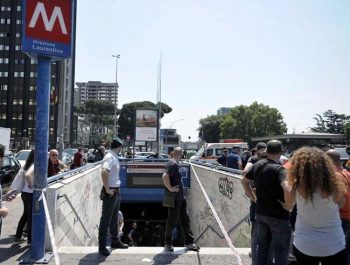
22,156
8,171
143,154
162,156
68,155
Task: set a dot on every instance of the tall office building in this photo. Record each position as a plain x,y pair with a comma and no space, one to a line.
223,111
95,90
18,83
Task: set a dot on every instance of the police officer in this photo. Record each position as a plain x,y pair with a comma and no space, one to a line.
110,196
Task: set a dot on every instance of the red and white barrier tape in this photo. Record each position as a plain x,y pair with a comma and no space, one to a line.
215,214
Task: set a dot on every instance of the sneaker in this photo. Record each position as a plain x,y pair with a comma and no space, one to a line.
192,246
168,248
103,251
119,245
18,240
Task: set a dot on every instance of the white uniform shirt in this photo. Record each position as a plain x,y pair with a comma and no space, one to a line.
111,163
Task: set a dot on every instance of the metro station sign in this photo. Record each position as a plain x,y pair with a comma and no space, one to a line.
47,28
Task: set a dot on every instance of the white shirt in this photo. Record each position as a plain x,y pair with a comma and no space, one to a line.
111,163
318,230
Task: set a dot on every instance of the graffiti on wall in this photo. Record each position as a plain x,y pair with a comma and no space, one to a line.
226,187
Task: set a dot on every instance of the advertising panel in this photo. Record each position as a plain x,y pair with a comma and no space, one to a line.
146,125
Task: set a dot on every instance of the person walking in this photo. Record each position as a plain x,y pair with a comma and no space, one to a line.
319,194
55,166
175,202
110,196
272,211
27,199
78,159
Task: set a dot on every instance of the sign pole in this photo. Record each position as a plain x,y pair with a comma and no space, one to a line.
41,156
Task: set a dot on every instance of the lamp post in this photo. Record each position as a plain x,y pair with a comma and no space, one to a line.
115,129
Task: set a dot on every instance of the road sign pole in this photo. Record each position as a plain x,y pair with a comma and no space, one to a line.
41,156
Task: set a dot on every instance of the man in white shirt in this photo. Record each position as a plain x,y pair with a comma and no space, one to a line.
110,196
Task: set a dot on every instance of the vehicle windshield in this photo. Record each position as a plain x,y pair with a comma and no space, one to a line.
22,155
200,151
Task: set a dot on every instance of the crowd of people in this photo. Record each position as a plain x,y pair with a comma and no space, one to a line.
300,209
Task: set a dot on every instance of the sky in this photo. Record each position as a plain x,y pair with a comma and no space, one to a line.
290,55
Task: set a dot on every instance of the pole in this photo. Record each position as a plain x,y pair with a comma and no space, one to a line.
41,159
115,128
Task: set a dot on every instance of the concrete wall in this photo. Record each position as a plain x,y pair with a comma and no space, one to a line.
78,208
227,196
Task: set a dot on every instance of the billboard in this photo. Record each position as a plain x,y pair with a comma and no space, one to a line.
47,28
146,125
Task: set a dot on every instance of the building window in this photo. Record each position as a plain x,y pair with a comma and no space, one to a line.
21,74
18,21
18,35
4,87
8,21
31,88
30,116
19,8
2,47
14,102
20,116
32,74
2,34
18,47
31,101
16,74
7,47
2,21
3,116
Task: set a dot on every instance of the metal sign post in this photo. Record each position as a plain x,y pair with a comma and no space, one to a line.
46,37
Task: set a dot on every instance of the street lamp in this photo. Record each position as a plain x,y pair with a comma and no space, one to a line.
171,124
115,129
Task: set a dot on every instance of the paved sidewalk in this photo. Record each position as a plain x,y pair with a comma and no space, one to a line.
11,253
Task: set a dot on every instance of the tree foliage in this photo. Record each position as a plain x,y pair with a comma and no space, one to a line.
126,119
99,113
243,122
331,122
209,129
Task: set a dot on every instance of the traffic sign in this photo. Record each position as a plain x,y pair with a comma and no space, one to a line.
47,28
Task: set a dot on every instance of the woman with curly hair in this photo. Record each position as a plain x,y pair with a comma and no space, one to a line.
319,194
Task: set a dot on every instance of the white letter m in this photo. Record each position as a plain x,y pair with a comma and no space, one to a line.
57,13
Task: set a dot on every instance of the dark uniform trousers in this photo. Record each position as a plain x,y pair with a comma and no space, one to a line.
109,218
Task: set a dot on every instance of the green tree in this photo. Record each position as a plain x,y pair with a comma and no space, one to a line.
209,129
331,122
347,130
126,121
255,120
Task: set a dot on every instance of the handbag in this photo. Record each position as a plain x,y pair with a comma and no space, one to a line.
18,182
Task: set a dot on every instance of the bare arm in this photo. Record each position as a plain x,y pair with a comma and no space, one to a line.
289,196
248,168
248,189
28,175
167,184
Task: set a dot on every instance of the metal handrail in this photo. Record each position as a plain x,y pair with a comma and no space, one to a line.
217,167
72,172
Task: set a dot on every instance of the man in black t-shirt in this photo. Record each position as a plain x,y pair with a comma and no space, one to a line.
260,154
175,201
272,212
222,159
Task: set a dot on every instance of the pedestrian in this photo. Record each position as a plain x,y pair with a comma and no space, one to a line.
344,175
134,235
3,209
272,212
78,159
259,155
99,155
319,193
222,159
175,202
27,199
234,160
110,196
55,166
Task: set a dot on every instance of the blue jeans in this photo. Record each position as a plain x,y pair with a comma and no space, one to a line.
274,231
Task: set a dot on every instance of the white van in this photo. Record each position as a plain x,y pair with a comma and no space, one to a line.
210,152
